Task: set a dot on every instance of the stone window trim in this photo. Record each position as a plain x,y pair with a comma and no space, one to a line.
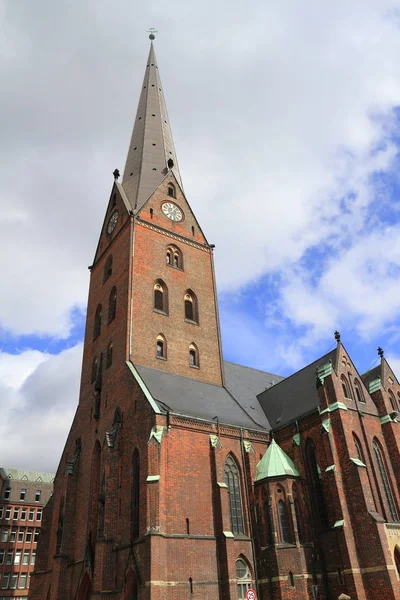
160,297
191,307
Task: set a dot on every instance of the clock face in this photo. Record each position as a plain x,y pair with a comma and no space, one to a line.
171,211
112,222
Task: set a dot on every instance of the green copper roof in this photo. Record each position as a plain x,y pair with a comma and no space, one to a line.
275,463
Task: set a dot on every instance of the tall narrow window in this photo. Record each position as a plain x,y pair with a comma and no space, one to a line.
359,393
190,585
161,347
298,520
191,308
283,522
94,370
135,494
160,297
392,400
385,481
171,190
112,305
397,559
108,268
345,388
291,579
268,524
174,257
317,489
359,452
97,322
193,356
60,528
109,355
169,257
235,502
243,575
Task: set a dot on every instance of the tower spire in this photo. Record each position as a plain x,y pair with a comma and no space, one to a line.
151,151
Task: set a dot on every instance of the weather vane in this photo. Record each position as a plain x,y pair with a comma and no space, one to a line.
152,31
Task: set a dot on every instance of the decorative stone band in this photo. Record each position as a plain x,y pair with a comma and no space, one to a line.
374,385
333,407
173,236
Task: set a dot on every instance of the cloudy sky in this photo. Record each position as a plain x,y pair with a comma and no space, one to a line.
286,122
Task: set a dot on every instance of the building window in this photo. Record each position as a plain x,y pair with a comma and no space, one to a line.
235,502
13,581
109,358
243,575
291,579
392,400
33,557
31,514
17,559
191,307
39,515
135,494
97,322
25,559
171,190
15,514
13,534
283,523
22,581
7,493
36,536
4,535
160,297
2,553
151,213
22,494
5,581
359,452
10,555
298,520
345,388
23,514
38,495
108,267
359,393
174,257
8,512
112,305
29,536
1,512
21,533
385,481
193,356
317,490
161,347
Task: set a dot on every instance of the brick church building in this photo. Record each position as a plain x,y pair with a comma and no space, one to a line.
186,477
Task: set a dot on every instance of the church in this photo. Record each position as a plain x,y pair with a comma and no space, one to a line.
187,477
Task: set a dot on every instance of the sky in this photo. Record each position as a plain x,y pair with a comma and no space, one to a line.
286,122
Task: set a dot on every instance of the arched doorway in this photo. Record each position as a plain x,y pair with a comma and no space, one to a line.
85,589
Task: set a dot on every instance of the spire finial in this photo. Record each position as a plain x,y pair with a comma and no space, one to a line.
152,33
337,336
380,352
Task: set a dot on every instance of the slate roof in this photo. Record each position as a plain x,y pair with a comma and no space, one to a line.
235,404
371,375
294,396
20,475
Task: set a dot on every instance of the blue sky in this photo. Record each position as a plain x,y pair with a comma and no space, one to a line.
286,122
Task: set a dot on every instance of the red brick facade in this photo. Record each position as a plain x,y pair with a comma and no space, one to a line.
141,508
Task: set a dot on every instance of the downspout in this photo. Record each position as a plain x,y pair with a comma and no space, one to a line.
253,546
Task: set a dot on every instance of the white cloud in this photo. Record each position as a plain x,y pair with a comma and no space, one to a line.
38,402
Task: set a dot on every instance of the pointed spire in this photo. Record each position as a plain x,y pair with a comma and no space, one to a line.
275,463
151,152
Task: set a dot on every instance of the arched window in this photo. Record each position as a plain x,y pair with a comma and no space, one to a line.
297,513
174,257
60,528
268,524
109,358
283,523
235,501
359,393
94,370
193,356
392,400
160,297
112,305
190,585
397,559
317,489
385,481
345,388
244,582
108,268
359,451
135,494
171,190
97,322
191,307
161,347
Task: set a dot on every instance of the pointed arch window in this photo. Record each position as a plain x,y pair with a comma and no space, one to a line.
135,494
112,305
235,502
60,528
160,297
317,489
97,322
345,387
191,307
171,190
283,523
161,347
359,451
194,356
109,358
392,400
94,370
244,579
385,480
108,267
297,513
359,392
174,257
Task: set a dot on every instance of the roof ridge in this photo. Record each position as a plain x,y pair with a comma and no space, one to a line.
252,368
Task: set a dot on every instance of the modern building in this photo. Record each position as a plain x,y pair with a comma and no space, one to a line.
188,477
22,497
